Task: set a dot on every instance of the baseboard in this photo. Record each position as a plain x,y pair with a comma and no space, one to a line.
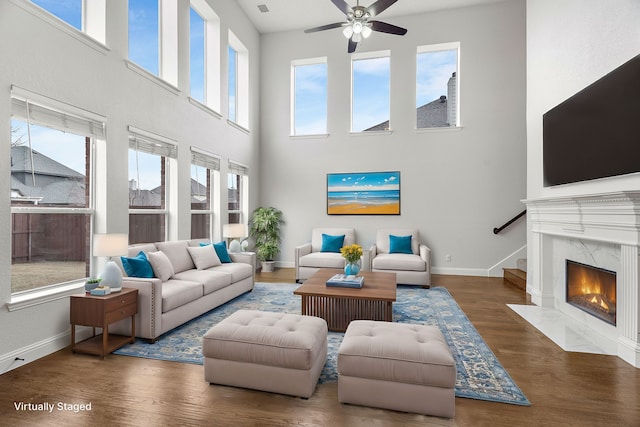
35,351
459,271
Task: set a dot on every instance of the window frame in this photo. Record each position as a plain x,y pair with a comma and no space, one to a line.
211,163
211,55
241,80
441,47
294,67
363,57
242,171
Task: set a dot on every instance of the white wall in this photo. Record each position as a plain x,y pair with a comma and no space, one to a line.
571,44
456,185
42,59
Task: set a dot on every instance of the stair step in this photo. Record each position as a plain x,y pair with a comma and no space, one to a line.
516,277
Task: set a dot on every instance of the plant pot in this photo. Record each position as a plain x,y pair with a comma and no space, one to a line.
268,266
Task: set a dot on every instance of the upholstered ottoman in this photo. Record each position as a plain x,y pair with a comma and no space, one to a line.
397,366
276,352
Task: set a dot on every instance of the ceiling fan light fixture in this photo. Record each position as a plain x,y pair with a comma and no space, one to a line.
357,27
366,31
356,37
347,31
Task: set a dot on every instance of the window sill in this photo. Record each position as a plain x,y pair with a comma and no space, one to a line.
310,136
238,126
61,25
204,107
442,129
151,77
28,299
371,132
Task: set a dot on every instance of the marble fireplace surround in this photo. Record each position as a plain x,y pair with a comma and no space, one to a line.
602,230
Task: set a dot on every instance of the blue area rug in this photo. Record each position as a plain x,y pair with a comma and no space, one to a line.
480,374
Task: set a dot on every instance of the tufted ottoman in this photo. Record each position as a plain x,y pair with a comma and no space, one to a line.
276,352
397,366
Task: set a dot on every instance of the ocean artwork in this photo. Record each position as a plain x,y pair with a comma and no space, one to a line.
364,193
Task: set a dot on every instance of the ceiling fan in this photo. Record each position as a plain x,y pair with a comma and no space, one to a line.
359,24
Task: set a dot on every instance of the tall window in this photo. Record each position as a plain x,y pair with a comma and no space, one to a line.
149,155
144,34
197,55
87,16
309,96
70,11
237,193
437,83
204,54
238,81
205,173
51,191
370,95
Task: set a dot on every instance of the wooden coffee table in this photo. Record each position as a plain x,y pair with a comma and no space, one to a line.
339,306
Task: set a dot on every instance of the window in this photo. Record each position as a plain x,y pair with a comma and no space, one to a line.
197,55
237,193
149,156
144,34
309,97
238,82
205,176
370,95
437,83
70,11
51,191
205,54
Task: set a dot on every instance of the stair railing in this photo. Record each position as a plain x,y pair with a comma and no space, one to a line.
508,223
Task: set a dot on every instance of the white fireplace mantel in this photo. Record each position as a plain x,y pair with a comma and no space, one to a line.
605,227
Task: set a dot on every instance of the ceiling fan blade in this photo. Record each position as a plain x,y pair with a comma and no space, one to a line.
383,27
343,6
352,46
325,27
379,7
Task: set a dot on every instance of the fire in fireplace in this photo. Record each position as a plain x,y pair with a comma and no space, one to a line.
592,289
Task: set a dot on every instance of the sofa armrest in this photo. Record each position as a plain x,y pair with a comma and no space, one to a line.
246,258
301,251
425,254
373,251
149,316
366,259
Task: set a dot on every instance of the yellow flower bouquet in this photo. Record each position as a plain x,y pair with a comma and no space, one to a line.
352,253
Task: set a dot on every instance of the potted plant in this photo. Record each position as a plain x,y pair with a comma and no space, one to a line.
264,227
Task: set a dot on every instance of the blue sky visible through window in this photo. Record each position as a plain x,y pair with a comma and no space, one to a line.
233,75
145,169
434,69
144,34
69,11
196,55
310,99
370,97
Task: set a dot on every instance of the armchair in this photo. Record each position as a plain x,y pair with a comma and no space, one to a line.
312,256
398,250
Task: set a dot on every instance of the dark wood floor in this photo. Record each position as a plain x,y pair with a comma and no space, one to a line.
565,389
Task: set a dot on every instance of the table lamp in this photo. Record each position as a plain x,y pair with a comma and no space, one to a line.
235,232
110,245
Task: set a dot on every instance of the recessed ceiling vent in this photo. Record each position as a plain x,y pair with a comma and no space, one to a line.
263,8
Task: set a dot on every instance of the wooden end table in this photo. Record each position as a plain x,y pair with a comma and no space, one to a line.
339,306
101,311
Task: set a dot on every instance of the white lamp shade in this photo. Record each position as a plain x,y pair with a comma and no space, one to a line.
233,231
110,244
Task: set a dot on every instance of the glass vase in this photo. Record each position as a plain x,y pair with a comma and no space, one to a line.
351,269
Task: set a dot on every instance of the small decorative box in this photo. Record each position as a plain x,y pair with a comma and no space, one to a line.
101,290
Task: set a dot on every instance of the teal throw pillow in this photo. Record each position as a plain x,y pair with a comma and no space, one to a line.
221,251
400,244
138,266
331,243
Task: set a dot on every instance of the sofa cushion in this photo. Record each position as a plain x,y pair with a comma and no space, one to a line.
331,243
221,251
407,262
138,266
135,249
211,280
162,267
400,244
178,254
204,257
322,260
176,293
237,270
383,241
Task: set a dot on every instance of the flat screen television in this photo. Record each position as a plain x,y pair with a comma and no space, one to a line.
596,132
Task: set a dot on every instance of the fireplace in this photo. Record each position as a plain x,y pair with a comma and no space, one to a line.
592,290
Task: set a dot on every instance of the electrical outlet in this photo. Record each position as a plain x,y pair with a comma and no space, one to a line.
447,257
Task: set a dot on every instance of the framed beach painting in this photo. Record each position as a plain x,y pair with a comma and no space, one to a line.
363,193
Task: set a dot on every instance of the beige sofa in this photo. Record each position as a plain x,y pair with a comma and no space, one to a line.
412,267
310,257
185,285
